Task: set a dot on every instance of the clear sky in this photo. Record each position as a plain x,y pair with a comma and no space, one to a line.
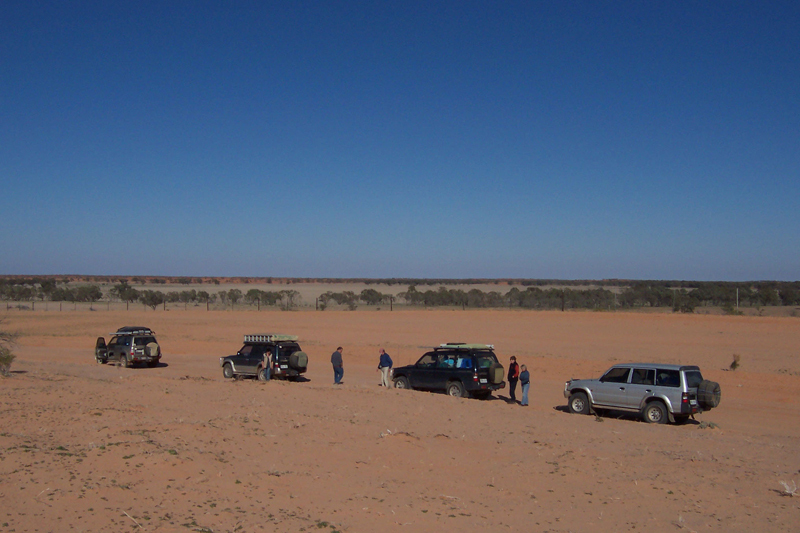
553,139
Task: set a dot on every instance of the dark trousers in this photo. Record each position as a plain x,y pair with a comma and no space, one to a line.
512,386
338,374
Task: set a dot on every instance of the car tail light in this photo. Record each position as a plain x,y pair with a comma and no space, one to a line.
475,377
685,397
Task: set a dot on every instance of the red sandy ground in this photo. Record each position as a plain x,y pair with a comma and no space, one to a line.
87,447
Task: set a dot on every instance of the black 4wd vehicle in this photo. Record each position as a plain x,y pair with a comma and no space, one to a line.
128,346
288,360
456,368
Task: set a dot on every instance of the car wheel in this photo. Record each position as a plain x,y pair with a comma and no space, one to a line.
455,389
260,374
401,383
655,413
227,371
100,360
123,361
579,403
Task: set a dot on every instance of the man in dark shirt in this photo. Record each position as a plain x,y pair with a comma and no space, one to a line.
525,380
338,366
513,377
384,366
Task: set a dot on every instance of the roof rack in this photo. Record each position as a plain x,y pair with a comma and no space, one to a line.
134,330
466,346
269,337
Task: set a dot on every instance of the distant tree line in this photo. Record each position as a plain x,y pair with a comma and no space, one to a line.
684,296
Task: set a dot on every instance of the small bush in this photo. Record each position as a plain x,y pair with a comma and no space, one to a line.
7,341
735,362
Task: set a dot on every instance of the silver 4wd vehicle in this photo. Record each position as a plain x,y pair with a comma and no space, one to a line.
658,392
288,360
128,346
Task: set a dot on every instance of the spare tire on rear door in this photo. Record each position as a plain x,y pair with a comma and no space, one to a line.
496,373
298,360
708,394
151,350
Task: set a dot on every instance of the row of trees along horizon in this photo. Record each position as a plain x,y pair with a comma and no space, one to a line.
679,295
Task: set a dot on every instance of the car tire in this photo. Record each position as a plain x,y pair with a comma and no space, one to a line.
227,371
260,374
100,360
455,389
578,403
655,413
708,394
123,361
401,383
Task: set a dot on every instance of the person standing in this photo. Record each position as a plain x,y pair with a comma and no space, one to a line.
338,366
525,381
513,377
267,370
384,366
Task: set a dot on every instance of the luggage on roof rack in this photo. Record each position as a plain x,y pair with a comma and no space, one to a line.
134,330
269,337
466,346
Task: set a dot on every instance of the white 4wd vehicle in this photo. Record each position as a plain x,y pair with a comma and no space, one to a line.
658,392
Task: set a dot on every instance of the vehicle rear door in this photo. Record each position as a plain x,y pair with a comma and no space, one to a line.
112,350
640,387
612,389
253,358
444,371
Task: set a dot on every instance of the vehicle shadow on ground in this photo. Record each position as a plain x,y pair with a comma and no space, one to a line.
621,415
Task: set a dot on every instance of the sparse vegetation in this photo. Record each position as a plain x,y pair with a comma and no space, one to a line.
735,362
789,489
7,341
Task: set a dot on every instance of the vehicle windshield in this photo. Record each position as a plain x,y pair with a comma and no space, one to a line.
693,378
144,341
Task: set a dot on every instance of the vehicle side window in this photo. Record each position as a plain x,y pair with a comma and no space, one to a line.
257,351
124,341
643,376
668,378
427,361
616,375
446,361
464,362
246,349
693,378
113,341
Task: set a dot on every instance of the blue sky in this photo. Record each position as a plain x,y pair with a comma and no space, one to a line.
570,140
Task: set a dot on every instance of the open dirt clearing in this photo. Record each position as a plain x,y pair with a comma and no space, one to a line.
87,447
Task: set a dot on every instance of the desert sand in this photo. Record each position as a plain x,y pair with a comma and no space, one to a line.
88,447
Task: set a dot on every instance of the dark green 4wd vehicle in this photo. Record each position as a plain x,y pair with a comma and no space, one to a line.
128,346
457,368
288,360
